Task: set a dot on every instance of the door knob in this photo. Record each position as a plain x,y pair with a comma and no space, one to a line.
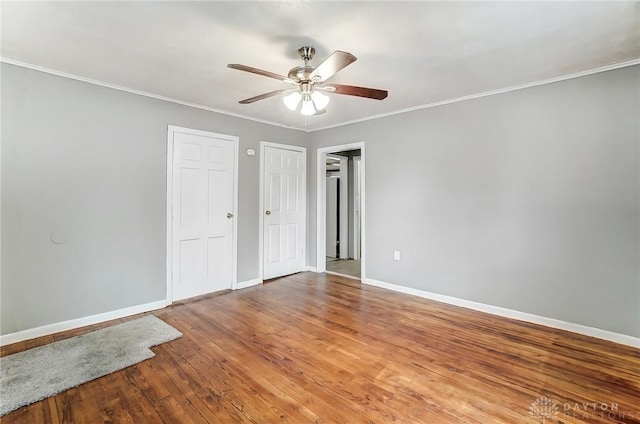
267,213
229,215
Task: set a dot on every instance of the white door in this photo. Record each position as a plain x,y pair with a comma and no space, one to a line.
284,204
203,192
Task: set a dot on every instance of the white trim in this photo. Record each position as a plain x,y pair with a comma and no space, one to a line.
0,202
141,93
510,313
171,130
234,227
302,150
321,211
169,235
606,68
487,93
321,203
45,330
344,208
248,283
356,207
310,269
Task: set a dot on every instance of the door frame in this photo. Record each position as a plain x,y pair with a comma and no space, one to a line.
303,150
357,205
171,131
335,238
321,204
343,209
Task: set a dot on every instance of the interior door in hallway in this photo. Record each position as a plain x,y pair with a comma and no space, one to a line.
202,216
284,216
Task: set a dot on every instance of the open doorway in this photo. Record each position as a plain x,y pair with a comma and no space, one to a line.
340,210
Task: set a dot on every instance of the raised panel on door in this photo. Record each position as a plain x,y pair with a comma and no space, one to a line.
191,260
292,191
216,208
190,208
218,257
291,246
275,193
191,151
273,242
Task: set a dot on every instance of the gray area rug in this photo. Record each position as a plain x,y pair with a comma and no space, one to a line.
44,371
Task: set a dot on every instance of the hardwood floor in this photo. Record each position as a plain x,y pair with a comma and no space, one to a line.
322,348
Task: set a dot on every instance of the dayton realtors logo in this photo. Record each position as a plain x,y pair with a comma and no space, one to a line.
545,408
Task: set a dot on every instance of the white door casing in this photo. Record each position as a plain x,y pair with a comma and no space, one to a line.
344,207
283,209
356,207
332,216
343,195
202,205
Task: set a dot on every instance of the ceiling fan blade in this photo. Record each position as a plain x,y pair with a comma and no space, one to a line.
264,96
261,72
331,65
352,90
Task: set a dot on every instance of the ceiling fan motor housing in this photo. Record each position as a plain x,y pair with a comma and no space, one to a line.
301,73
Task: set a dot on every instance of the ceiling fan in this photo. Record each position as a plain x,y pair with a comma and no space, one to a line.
310,81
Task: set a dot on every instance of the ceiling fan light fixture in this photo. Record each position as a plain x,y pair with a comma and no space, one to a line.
292,100
320,100
307,108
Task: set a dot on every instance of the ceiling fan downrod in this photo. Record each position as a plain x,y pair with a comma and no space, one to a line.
306,53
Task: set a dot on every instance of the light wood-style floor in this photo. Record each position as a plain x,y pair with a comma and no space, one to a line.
320,348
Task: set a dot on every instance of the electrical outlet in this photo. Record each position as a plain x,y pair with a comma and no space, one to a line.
396,255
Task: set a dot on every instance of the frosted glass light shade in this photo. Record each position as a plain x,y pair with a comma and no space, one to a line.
321,101
307,108
291,101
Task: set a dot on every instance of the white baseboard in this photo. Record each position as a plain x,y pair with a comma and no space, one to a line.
509,313
311,269
45,330
249,283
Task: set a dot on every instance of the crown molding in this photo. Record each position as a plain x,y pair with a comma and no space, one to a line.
606,68
490,93
140,92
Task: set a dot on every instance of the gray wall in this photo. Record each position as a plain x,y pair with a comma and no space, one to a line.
89,164
527,200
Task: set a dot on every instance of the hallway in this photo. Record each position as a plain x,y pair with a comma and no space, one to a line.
349,267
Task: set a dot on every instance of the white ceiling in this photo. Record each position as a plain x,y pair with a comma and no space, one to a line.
421,52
